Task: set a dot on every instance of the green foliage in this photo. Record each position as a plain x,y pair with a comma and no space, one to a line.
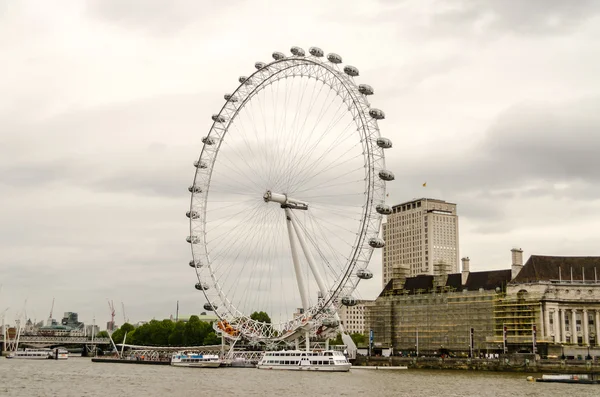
337,341
261,317
359,339
119,335
211,339
102,334
167,333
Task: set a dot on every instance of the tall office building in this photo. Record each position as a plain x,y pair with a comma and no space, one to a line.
421,236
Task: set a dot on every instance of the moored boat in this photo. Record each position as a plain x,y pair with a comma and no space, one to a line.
59,354
568,378
195,360
30,354
297,360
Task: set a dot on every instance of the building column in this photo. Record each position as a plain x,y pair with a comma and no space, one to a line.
556,327
574,326
547,324
563,330
597,323
584,323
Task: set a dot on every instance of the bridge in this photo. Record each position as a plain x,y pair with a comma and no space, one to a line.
47,341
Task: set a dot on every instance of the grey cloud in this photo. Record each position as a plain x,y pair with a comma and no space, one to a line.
523,17
158,16
528,144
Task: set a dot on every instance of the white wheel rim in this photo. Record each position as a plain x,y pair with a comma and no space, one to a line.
221,146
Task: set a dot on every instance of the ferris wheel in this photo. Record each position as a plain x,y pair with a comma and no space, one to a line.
287,198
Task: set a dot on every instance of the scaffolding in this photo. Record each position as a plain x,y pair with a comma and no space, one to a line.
438,320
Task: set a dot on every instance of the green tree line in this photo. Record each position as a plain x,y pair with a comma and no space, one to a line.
168,333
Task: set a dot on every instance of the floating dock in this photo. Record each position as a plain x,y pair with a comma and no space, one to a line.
118,361
378,367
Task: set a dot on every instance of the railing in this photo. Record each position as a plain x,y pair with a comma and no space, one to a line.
78,340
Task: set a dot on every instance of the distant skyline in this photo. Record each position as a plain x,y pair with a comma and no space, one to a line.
492,103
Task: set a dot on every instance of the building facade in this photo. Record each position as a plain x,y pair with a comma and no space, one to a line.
422,234
549,305
353,317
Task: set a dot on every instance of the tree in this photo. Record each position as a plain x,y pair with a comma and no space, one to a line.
102,334
359,339
177,336
261,317
211,339
337,340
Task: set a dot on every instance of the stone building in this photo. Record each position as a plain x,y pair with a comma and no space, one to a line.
550,302
567,293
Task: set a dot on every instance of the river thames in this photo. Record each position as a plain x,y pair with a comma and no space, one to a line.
78,377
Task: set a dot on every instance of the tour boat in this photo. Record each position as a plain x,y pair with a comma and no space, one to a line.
195,360
59,354
568,378
297,360
30,354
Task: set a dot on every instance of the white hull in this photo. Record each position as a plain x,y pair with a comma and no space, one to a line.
208,364
26,358
319,368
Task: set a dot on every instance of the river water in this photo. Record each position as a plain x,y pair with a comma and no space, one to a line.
80,377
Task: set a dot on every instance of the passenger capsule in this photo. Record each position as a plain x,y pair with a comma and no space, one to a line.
192,214
259,65
278,55
351,70
349,301
364,274
196,264
383,209
230,98
218,118
299,52
192,239
201,286
377,114
384,143
365,89
195,189
315,51
330,322
376,242
207,140
245,80
386,175
200,164
334,58
209,307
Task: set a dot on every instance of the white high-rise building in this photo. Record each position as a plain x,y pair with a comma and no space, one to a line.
423,235
353,317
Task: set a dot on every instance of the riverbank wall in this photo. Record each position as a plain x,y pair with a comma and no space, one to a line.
505,363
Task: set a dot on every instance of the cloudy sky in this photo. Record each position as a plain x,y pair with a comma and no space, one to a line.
493,103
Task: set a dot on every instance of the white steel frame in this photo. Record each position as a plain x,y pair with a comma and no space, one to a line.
358,106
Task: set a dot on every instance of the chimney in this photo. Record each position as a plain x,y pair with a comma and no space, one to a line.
465,270
517,262
399,274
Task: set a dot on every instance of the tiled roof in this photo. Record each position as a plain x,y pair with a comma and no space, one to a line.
546,268
488,280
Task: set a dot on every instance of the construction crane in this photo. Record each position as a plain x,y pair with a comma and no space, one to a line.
50,316
125,319
111,306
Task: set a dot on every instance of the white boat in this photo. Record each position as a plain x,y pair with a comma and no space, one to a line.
195,360
297,360
30,354
59,354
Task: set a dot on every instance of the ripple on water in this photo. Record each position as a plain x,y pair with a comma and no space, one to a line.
78,377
